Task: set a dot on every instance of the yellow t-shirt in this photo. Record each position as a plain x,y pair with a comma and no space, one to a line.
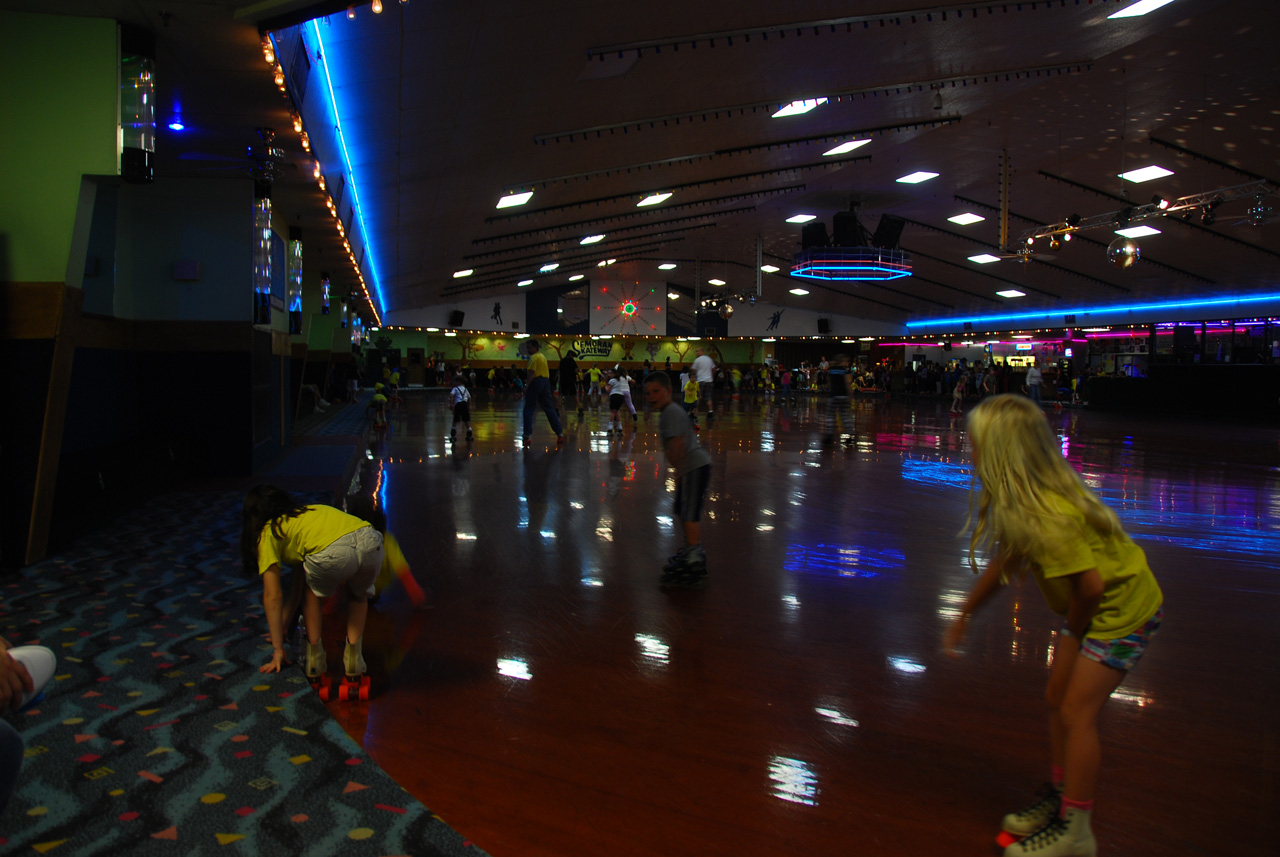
538,366
594,374
691,390
1130,594
305,534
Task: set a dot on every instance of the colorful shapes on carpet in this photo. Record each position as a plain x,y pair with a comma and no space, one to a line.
46,847
360,833
299,818
228,838
147,775
300,760
168,833
213,797
353,786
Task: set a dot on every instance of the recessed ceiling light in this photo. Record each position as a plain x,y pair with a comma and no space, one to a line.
801,218
846,147
1142,7
673,296
653,199
591,239
1138,231
799,291
713,281
917,177
559,309
466,273
550,266
795,108
576,277
770,269
666,266
525,283
1146,174
515,199
984,258
967,218
1012,293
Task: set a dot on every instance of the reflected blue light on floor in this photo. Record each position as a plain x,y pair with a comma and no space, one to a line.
841,560
938,473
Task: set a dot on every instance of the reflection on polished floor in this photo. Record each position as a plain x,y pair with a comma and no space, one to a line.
552,700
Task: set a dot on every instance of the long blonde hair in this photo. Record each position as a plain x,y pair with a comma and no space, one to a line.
1020,465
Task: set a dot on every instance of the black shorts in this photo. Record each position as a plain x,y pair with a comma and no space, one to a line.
616,401
691,489
462,412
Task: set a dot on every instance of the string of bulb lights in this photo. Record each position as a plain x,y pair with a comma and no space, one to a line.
375,6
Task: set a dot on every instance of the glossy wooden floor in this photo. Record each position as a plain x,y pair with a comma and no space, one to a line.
554,701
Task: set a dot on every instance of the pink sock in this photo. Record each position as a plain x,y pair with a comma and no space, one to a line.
1058,776
1068,803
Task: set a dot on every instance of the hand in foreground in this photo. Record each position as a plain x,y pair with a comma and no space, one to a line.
14,682
278,660
955,635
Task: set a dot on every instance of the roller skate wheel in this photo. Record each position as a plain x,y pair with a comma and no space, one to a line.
344,692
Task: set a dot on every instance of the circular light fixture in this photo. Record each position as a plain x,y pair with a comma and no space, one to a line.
726,310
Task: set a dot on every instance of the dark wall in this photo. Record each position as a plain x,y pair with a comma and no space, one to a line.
27,365
1249,392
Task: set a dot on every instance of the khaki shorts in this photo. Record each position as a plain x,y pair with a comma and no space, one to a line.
353,559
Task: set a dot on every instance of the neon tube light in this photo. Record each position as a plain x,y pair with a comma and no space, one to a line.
323,55
1057,313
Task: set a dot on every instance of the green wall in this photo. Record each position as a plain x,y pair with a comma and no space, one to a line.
632,349
58,118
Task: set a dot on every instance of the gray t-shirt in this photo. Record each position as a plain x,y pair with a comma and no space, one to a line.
674,422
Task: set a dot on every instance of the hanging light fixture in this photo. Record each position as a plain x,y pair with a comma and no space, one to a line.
377,7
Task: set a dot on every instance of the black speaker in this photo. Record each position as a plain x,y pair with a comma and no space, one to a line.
824,325
946,346
847,231
1068,319
456,317
814,235
888,232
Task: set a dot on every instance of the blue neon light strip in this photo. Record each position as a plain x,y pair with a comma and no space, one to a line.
1057,313
818,271
323,55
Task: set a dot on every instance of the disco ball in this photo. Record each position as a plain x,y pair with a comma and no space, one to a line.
1123,252
726,310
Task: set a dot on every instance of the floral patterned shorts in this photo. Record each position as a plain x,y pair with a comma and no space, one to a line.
1122,653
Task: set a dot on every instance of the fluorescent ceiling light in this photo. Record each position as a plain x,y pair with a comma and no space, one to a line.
768,339
654,199
984,258
450,333
1138,231
1095,329
795,108
525,283
433,330
802,218
917,177
770,269
466,273
576,277
559,309
846,147
673,296
713,281
967,218
693,338
866,339
799,291
515,199
176,125
666,266
1142,7
846,341
591,239
1146,174
604,262
1022,336
550,266
1012,293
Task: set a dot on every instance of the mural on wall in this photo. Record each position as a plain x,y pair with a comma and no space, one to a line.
499,315
627,308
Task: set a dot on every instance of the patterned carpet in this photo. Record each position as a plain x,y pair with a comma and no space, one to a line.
158,735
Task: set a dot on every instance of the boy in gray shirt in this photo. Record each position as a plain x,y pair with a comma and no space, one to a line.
693,471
